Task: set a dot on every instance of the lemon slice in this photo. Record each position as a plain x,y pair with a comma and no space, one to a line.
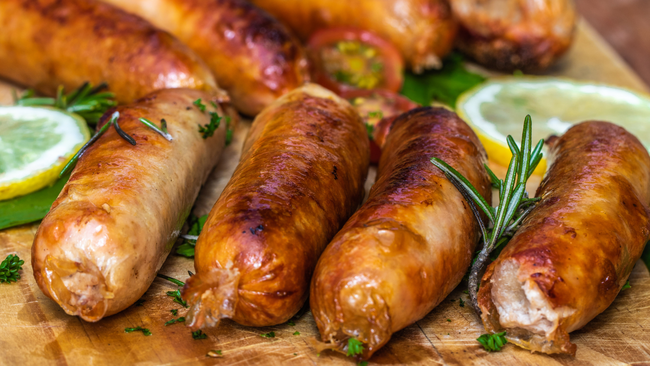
496,109
35,144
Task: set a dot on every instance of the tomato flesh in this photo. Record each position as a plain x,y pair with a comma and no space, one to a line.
346,59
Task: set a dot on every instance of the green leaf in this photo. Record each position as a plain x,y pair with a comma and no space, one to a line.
444,85
31,207
144,331
268,335
199,335
626,286
9,269
186,249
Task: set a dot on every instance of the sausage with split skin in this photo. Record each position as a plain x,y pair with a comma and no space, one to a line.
252,55
115,221
423,30
301,175
412,241
576,249
45,44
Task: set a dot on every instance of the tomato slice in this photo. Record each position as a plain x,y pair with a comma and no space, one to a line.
378,108
345,59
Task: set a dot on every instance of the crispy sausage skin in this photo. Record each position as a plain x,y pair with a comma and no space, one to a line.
111,228
515,34
253,56
576,249
423,30
301,176
412,241
48,43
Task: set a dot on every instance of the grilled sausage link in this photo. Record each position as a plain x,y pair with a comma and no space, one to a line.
515,34
301,175
111,228
254,58
423,30
412,241
47,43
576,249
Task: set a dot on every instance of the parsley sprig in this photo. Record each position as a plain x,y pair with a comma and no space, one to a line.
9,269
88,102
207,130
199,335
186,249
493,342
355,347
514,204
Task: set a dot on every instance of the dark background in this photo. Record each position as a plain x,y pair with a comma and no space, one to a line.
625,25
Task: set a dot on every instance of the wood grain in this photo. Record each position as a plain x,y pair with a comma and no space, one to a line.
35,331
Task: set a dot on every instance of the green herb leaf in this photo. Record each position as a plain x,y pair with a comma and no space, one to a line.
31,207
376,114
268,335
626,286
355,347
88,102
291,323
208,130
444,85
9,269
199,335
186,248
144,331
449,320
216,353
493,342
370,129
461,303
362,363
199,105
177,297
174,312
296,333
172,321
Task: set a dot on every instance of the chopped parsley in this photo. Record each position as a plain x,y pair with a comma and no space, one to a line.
199,335
268,335
449,320
626,286
493,342
186,249
296,333
462,303
177,297
291,323
174,312
9,268
208,129
144,331
216,353
355,347
172,321
199,105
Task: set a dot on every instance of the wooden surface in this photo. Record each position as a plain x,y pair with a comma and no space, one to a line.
624,24
35,331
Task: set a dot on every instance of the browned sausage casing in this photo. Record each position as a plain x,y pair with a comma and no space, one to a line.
254,58
576,249
410,244
48,43
423,30
515,34
111,228
300,177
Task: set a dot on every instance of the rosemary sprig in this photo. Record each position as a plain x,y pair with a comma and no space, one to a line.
113,122
88,102
514,204
9,269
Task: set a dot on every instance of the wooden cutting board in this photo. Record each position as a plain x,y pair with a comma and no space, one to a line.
35,331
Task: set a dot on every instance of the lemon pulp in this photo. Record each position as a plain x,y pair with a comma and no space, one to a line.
35,144
496,109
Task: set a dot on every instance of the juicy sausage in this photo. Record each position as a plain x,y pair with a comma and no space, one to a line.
111,228
412,241
574,252
423,30
47,43
301,175
515,34
254,58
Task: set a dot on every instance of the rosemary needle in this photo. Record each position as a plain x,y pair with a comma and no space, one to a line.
514,204
161,131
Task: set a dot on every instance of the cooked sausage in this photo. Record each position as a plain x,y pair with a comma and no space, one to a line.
412,241
47,43
111,228
515,34
301,175
423,30
253,56
576,249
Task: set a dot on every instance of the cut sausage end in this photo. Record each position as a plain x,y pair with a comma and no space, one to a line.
212,296
524,311
78,287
